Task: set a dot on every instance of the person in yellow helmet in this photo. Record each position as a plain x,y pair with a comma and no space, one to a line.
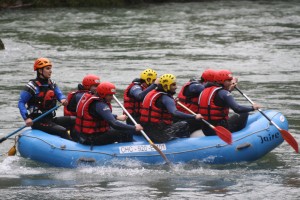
136,92
40,95
158,110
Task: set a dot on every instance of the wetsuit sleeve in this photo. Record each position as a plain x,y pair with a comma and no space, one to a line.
102,111
196,88
25,96
227,97
169,103
137,92
59,93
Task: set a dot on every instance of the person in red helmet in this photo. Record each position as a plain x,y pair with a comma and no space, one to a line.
189,96
40,95
136,92
189,93
215,102
89,84
95,124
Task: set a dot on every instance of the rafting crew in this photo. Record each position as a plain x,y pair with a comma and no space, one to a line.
158,110
216,100
95,124
135,93
40,95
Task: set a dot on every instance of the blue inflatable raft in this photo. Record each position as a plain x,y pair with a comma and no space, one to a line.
253,142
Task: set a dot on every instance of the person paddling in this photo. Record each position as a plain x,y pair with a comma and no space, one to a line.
158,110
136,92
95,124
189,97
215,102
88,85
40,95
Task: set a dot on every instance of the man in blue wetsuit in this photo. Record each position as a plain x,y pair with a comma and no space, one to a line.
95,124
136,92
40,95
158,111
215,101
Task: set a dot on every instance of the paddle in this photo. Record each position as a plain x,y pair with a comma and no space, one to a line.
36,119
285,134
222,132
144,134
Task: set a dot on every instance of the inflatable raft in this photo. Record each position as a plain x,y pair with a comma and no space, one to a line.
253,142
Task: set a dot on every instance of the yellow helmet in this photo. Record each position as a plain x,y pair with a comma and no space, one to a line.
148,75
167,80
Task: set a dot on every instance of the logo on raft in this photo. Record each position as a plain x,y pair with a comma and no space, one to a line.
269,138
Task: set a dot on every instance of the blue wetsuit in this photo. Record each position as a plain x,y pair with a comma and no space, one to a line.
120,132
50,124
235,123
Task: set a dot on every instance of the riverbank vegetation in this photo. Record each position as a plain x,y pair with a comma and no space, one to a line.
75,3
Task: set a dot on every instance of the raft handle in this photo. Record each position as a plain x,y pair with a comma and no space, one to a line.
243,146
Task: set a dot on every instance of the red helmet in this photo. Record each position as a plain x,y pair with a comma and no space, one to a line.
223,75
90,80
41,63
209,75
106,88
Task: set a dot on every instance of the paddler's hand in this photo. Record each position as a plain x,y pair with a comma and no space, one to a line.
198,116
156,81
28,122
122,117
64,102
256,106
138,128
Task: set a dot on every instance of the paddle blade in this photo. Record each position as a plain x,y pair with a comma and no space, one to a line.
290,139
224,134
12,151
161,153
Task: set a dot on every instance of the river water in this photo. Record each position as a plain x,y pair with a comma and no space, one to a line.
258,40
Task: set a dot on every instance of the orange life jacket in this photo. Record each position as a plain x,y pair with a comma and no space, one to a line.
208,109
190,102
130,103
151,113
85,123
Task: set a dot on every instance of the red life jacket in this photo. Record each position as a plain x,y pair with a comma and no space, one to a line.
130,103
151,113
85,123
208,109
45,97
70,96
190,102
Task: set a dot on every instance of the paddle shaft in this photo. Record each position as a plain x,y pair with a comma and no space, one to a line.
258,109
36,119
285,134
144,134
192,112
